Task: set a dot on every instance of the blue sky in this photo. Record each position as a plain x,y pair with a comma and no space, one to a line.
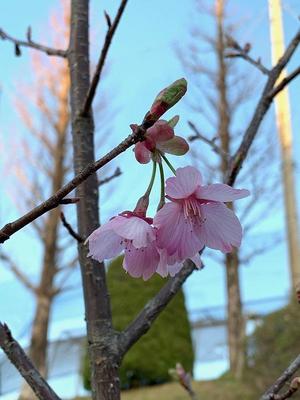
142,60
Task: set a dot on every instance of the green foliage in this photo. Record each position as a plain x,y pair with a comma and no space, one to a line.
275,344
167,342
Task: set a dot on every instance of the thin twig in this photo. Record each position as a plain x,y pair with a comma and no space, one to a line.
69,228
261,110
70,200
243,52
19,359
282,380
53,201
284,82
30,43
210,142
117,173
107,42
17,272
144,320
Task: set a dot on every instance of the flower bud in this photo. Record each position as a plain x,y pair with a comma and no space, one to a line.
168,97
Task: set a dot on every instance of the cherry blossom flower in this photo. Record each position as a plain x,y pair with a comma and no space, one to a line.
197,216
133,234
159,137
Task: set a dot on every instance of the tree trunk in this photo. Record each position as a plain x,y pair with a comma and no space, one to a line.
46,288
102,340
235,323
235,320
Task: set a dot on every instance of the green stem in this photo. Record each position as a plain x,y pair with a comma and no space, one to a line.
148,191
162,187
168,163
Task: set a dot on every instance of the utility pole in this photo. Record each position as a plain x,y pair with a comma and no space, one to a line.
284,128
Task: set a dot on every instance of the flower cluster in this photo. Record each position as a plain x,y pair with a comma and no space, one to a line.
193,217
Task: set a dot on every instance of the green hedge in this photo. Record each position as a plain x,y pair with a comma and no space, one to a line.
274,345
167,342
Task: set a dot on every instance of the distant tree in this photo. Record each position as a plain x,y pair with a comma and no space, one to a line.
168,342
222,93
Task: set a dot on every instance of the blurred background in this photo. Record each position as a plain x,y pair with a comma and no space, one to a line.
238,304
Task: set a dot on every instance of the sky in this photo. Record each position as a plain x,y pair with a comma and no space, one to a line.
142,60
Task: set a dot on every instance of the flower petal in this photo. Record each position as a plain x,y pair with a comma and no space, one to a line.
185,183
167,265
135,229
178,235
142,154
222,229
197,260
177,146
141,262
104,243
220,192
160,131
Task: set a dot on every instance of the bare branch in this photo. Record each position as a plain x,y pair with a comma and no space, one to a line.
17,272
107,42
144,320
117,173
261,109
284,82
271,393
30,43
243,52
70,229
210,142
19,359
53,201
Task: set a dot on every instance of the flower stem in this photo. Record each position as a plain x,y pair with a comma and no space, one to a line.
162,187
148,191
168,163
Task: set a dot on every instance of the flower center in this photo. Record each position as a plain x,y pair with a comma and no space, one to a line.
192,211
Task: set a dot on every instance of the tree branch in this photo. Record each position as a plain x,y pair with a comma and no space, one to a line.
19,359
210,142
271,393
30,43
261,109
243,52
117,173
144,320
107,42
56,199
284,82
70,229
18,273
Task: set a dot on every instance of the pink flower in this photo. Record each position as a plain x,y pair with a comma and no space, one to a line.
133,234
197,216
161,137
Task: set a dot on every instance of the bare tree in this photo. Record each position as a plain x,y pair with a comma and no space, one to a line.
225,92
106,346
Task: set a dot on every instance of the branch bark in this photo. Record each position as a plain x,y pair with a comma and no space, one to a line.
282,380
30,43
17,356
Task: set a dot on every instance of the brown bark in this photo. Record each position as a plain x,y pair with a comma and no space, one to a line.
235,323
102,340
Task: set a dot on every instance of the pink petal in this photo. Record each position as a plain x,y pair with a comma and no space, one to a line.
141,262
184,184
160,131
178,235
167,265
104,243
197,260
142,154
135,229
222,229
220,192
177,146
